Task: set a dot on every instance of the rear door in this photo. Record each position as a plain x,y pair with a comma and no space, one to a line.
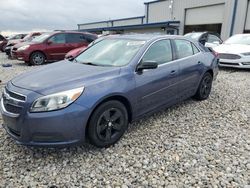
56,47
76,40
158,86
191,66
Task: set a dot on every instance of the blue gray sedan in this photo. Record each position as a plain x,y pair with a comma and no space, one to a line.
95,96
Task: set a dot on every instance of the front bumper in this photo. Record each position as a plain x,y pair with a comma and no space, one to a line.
234,63
57,128
20,55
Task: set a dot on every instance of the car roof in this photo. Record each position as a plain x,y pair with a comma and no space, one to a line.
146,37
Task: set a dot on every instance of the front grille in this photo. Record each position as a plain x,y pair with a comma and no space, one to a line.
12,102
228,56
246,63
15,95
224,63
11,108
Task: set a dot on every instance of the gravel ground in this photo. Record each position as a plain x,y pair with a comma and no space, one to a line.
193,144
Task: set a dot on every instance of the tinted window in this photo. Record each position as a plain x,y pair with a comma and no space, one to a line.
58,38
75,38
90,38
184,48
213,38
195,49
160,52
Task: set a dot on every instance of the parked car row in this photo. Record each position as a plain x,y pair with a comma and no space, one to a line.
5,40
38,48
13,42
104,84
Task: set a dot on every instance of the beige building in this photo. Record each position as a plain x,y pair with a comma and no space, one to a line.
226,17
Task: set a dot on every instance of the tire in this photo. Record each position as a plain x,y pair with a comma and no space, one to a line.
107,124
37,58
205,87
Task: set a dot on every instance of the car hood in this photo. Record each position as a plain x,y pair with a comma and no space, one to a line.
75,52
232,48
62,76
18,45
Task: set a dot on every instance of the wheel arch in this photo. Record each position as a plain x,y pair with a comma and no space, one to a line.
119,98
38,51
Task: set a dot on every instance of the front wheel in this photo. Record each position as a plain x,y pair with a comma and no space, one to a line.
205,87
107,124
37,58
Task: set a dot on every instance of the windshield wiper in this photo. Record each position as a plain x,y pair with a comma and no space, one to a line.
89,63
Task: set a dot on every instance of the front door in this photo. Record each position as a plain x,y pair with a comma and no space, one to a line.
57,47
158,86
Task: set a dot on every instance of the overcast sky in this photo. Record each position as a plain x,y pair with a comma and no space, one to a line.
28,15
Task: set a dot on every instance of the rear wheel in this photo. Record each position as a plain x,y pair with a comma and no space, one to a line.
205,87
37,58
107,124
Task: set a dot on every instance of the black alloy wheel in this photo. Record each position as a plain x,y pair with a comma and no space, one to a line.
205,87
107,124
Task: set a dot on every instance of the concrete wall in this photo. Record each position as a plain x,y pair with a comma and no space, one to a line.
159,12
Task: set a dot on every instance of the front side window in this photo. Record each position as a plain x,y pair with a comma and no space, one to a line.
58,39
160,52
183,48
195,49
111,52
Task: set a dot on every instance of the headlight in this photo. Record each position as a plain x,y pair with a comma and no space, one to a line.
23,48
56,101
246,54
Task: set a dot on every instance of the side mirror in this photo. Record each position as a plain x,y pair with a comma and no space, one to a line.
146,65
49,42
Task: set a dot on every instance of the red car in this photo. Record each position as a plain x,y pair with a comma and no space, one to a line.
75,52
51,46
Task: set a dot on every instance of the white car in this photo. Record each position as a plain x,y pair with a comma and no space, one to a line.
235,52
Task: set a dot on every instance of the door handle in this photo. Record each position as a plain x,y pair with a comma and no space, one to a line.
199,62
173,72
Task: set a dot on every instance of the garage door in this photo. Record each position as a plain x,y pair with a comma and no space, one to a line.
247,27
205,15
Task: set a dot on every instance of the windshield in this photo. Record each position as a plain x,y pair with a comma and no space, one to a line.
194,36
239,39
111,52
42,37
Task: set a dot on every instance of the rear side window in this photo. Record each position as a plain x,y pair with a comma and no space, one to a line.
58,38
75,38
183,48
195,49
160,52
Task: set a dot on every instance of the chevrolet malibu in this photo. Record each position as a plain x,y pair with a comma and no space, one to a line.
95,96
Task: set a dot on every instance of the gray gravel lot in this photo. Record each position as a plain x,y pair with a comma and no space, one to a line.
193,144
